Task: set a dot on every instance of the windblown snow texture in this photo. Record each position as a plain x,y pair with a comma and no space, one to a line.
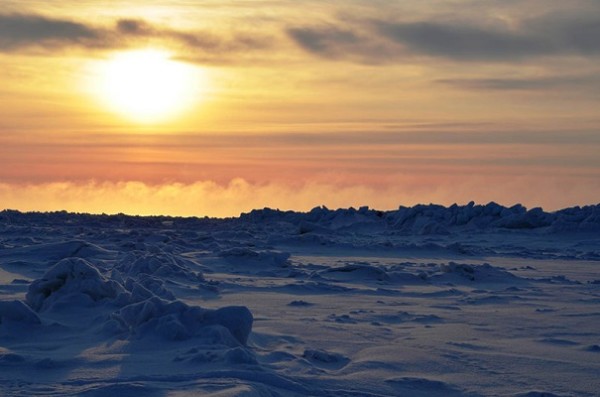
472,300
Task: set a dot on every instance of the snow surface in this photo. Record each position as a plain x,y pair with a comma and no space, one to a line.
475,300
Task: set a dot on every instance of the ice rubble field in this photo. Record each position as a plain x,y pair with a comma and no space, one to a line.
423,301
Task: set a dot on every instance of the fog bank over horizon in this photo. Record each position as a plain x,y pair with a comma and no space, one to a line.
208,198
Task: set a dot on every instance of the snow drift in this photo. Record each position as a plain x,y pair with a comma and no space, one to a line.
471,300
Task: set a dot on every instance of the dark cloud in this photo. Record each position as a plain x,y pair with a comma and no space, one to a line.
499,84
18,31
570,85
135,27
461,41
326,41
391,40
22,33
199,46
365,40
516,83
568,32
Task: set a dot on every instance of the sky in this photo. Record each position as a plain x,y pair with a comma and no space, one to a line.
218,107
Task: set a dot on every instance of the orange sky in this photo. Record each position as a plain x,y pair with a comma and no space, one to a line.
298,104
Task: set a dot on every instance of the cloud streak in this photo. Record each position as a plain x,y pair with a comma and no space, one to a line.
388,40
584,83
41,34
462,42
18,31
371,40
232,42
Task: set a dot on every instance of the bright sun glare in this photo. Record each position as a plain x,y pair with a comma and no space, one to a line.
147,86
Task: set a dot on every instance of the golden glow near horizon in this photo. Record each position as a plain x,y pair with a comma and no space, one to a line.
407,101
147,86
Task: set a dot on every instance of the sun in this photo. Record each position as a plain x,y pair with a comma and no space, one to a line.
147,86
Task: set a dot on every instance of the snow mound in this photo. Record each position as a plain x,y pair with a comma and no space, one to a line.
71,281
484,273
229,326
355,272
325,359
10,359
322,356
52,252
147,285
17,311
239,355
240,255
144,306
432,219
300,303
422,387
159,264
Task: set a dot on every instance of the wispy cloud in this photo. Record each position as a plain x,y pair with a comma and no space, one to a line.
221,43
371,40
391,40
329,41
584,82
462,42
41,34
18,31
